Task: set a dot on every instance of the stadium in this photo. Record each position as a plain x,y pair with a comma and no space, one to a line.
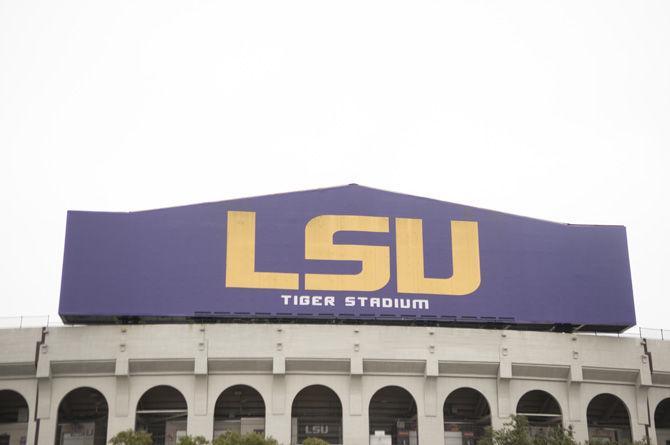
351,314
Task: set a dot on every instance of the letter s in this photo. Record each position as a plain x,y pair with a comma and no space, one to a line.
375,260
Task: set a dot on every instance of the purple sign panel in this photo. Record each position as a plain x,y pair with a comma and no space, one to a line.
346,253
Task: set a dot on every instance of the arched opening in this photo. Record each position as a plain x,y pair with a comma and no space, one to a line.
162,412
82,418
466,414
662,422
239,409
316,412
13,418
608,420
393,417
542,411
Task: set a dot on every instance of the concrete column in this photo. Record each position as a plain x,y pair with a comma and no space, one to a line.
47,428
639,431
47,433
278,426
356,388
355,429
116,424
119,418
641,395
431,430
278,418
575,416
122,402
574,394
504,396
200,384
430,397
430,388
30,434
580,430
278,394
653,437
200,426
121,370
355,423
497,422
200,399
576,419
200,422
43,376
640,420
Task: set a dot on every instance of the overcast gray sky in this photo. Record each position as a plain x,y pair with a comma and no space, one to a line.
553,109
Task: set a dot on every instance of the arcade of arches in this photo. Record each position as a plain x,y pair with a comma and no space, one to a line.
316,411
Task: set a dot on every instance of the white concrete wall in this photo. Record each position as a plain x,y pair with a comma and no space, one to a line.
660,353
428,362
18,348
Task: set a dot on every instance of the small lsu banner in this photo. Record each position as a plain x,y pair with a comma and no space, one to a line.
345,253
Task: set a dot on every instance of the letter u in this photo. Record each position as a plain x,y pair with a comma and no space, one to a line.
466,276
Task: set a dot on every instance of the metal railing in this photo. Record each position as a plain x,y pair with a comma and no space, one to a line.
648,333
635,332
39,321
659,334
30,321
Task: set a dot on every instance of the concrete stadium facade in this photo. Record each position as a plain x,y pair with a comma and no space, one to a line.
120,363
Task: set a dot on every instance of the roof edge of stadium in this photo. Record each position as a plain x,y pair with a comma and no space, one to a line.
352,185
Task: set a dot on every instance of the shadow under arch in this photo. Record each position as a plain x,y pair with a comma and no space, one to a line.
316,411
662,421
542,411
82,417
466,415
608,419
241,409
163,412
13,417
392,412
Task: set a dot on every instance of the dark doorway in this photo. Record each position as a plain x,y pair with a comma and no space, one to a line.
82,418
162,411
542,411
466,415
13,418
662,422
608,419
316,412
393,413
240,409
